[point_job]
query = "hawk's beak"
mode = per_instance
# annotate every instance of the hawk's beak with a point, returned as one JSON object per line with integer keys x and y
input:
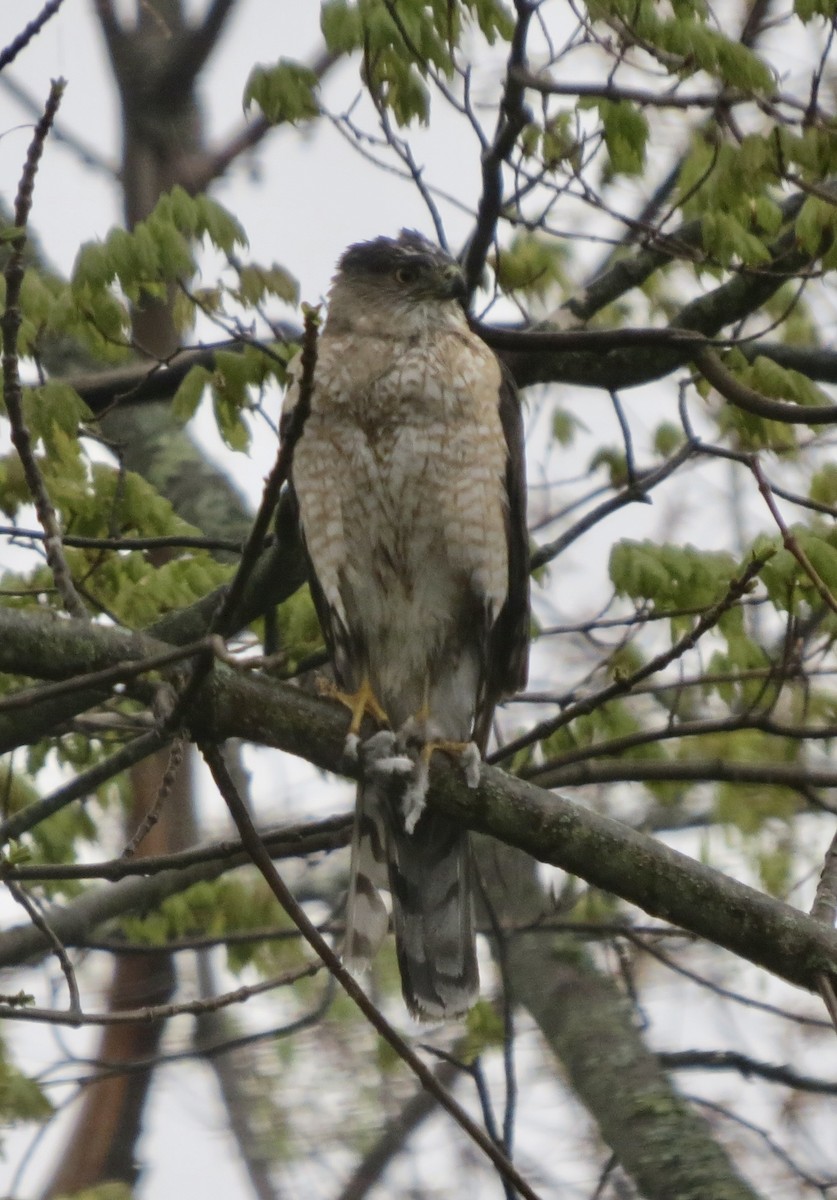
{"x": 453, "y": 282}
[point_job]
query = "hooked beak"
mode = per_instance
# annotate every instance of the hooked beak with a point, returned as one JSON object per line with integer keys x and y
{"x": 454, "y": 283}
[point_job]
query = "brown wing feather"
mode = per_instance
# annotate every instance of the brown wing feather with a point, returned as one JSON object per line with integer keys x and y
{"x": 507, "y": 665}
{"x": 338, "y": 639}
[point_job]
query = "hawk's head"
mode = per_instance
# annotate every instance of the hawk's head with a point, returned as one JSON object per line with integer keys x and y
{"x": 396, "y": 278}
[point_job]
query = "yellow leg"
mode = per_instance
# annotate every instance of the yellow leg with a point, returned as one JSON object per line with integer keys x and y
{"x": 359, "y": 703}
{"x": 454, "y": 749}
{"x": 467, "y": 753}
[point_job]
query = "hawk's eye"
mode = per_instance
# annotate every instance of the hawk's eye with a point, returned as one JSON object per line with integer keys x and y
{"x": 408, "y": 274}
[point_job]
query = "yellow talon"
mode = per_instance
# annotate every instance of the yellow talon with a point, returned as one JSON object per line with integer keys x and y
{"x": 359, "y": 703}
{"x": 454, "y": 749}
{"x": 467, "y": 754}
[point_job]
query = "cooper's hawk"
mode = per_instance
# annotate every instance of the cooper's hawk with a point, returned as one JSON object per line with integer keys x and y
{"x": 410, "y": 485}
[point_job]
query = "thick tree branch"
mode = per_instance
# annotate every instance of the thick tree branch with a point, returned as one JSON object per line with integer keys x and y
{"x": 604, "y": 852}
{"x": 591, "y": 1028}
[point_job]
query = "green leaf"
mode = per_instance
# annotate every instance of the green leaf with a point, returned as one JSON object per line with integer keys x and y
{"x": 286, "y": 92}
{"x": 775, "y": 868}
{"x": 626, "y": 135}
{"x": 102, "y": 1191}
{"x": 256, "y": 282}
{"x": 564, "y": 426}
{"x": 54, "y": 406}
{"x": 220, "y": 226}
{"x": 806, "y": 10}
{"x": 823, "y": 487}
{"x": 21, "y": 1099}
{"x": 341, "y": 25}
{"x": 484, "y": 1031}
{"x": 186, "y": 399}
{"x": 670, "y": 576}
{"x": 816, "y": 225}
{"x": 823, "y": 558}
{"x": 531, "y": 264}
{"x": 667, "y": 438}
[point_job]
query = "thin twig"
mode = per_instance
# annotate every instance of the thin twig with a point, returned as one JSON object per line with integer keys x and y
{"x": 790, "y": 543}
{"x": 40, "y": 922}
{"x": 261, "y": 858}
{"x": 733, "y": 1060}
{"x": 281, "y": 470}
{"x": 61, "y": 134}
{"x": 284, "y": 841}
{"x": 737, "y": 588}
{"x": 618, "y": 92}
{"x": 635, "y": 492}
{"x": 12, "y": 393}
{"x": 10, "y": 53}
{"x": 742, "y": 396}
{"x": 156, "y": 1012}
{"x": 500, "y": 936}
{"x": 718, "y": 989}
{"x": 82, "y": 785}
{"x": 511, "y": 121}
{"x": 772, "y": 1145}
{"x": 152, "y": 815}
{"x": 171, "y": 541}
{"x": 394, "y": 1136}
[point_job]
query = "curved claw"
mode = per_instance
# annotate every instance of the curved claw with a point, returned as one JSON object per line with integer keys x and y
{"x": 359, "y": 703}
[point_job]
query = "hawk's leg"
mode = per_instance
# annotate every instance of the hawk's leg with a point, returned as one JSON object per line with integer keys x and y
{"x": 468, "y": 754}
{"x": 420, "y": 731}
{"x": 361, "y": 703}
{"x": 418, "y": 736}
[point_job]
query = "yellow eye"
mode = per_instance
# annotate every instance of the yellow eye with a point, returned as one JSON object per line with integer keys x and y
{"x": 408, "y": 274}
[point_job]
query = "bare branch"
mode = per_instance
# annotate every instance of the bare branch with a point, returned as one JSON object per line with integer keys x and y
{"x": 155, "y": 1012}
{"x": 34, "y": 27}
{"x": 511, "y": 121}
{"x": 40, "y": 922}
{"x": 12, "y": 394}
{"x": 732, "y": 1060}
{"x": 172, "y": 542}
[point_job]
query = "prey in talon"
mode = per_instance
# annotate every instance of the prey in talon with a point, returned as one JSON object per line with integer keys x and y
{"x": 409, "y": 481}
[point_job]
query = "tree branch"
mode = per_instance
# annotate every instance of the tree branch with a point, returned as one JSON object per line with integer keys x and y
{"x": 73, "y": 923}
{"x": 732, "y": 1060}
{"x": 12, "y": 393}
{"x": 32, "y": 29}
{"x": 606, "y": 853}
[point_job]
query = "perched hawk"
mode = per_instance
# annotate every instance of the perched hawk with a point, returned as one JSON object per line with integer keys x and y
{"x": 410, "y": 486}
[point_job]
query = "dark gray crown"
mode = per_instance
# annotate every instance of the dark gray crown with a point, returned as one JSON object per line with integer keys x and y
{"x": 384, "y": 255}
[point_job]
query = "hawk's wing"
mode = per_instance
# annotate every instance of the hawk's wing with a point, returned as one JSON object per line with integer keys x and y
{"x": 507, "y": 650}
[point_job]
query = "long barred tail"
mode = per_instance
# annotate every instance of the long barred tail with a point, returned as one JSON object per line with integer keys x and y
{"x": 428, "y": 873}
{"x": 430, "y": 881}
{"x": 367, "y": 920}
